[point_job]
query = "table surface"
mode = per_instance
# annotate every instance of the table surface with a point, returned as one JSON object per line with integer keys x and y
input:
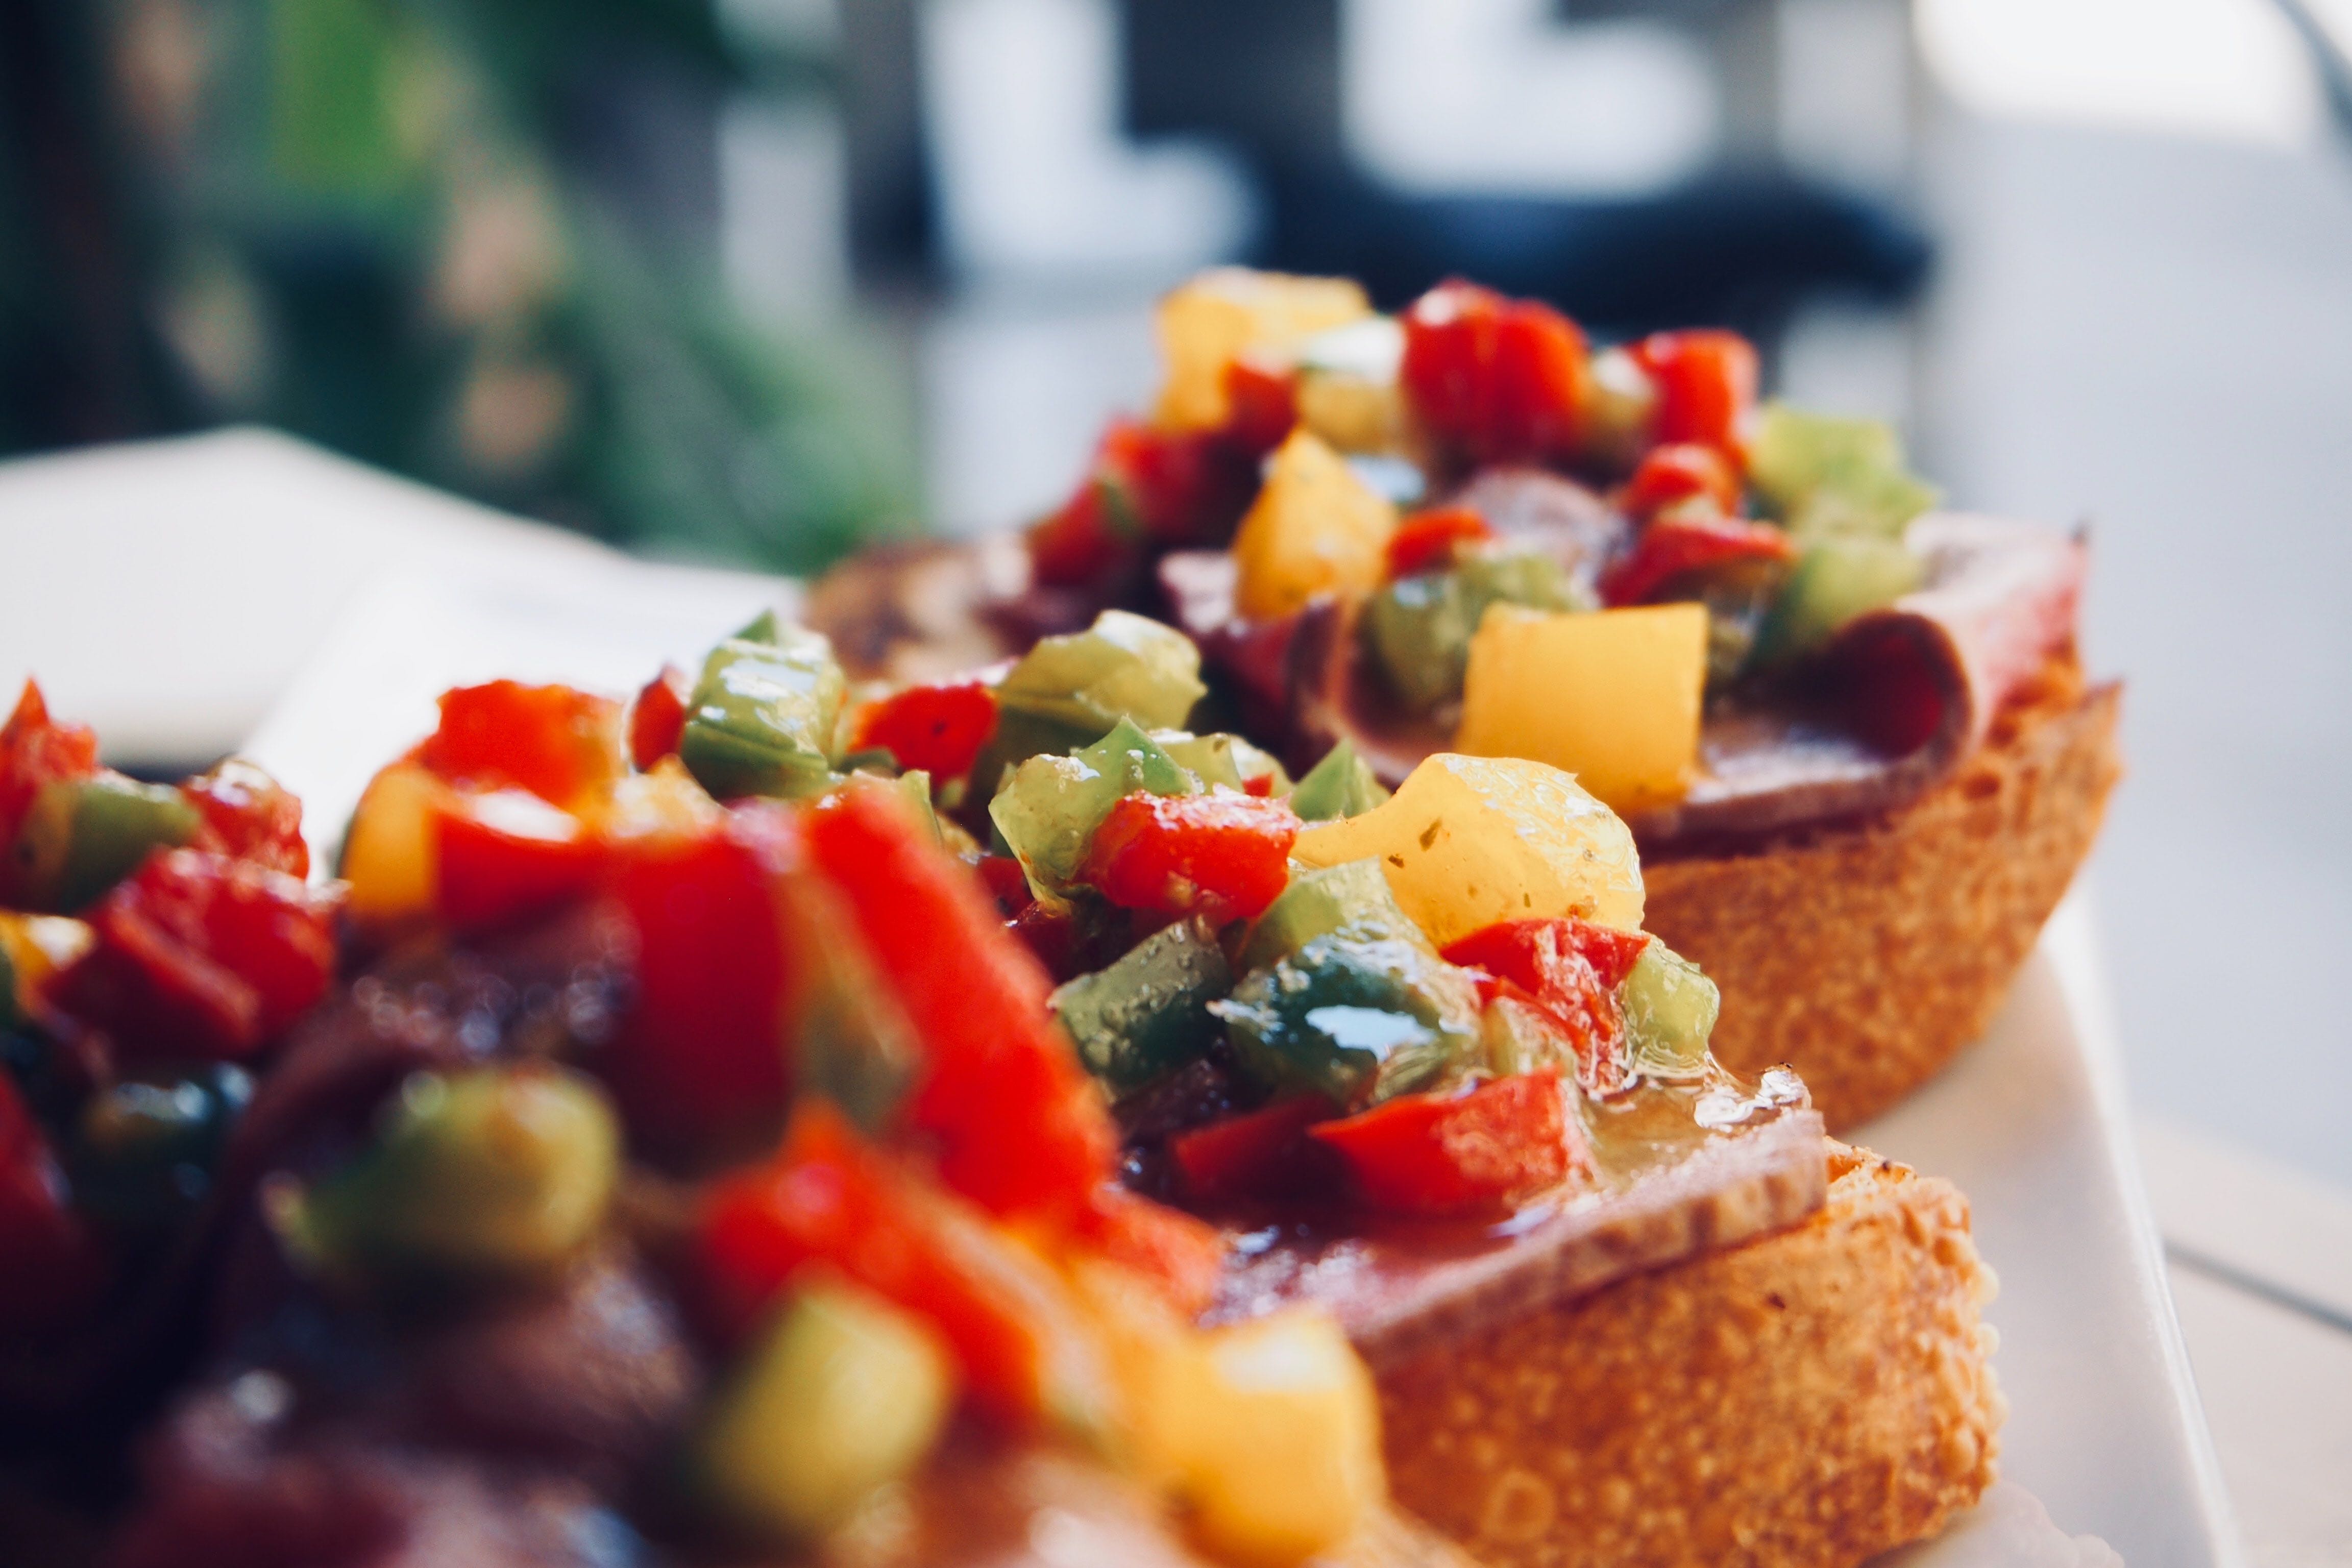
{"x": 175, "y": 651}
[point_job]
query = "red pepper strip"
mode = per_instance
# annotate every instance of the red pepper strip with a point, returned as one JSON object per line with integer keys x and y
{"x": 1677, "y": 472}
{"x": 1261, "y": 405}
{"x": 35, "y": 752}
{"x": 1493, "y": 380}
{"x": 658, "y": 717}
{"x": 198, "y": 955}
{"x": 1019, "y": 1125}
{"x": 1482, "y": 1150}
{"x": 1183, "y": 1256}
{"x": 1221, "y": 854}
{"x": 1689, "y": 537}
{"x": 830, "y": 1198}
{"x": 1264, "y": 1152}
{"x": 940, "y": 727}
{"x": 1426, "y": 540}
{"x": 506, "y": 856}
{"x": 1570, "y": 970}
{"x": 1706, "y": 386}
{"x": 48, "y": 1257}
{"x": 552, "y": 741}
{"x": 248, "y": 816}
{"x": 701, "y": 1059}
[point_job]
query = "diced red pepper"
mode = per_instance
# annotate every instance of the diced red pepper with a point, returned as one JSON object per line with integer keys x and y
{"x": 506, "y": 856}
{"x": 1223, "y": 855}
{"x": 1183, "y": 1256}
{"x": 1007, "y": 883}
{"x": 830, "y": 1198}
{"x": 1426, "y": 540}
{"x": 51, "y": 1263}
{"x": 658, "y": 717}
{"x": 558, "y": 744}
{"x": 1260, "y": 403}
{"x": 1264, "y": 1152}
{"x": 35, "y": 750}
{"x": 1570, "y": 969}
{"x": 198, "y": 955}
{"x": 1493, "y": 380}
{"x": 1691, "y": 537}
{"x": 701, "y": 1060}
{"x": 1259, "y": 784}
{"x": 1144, "y": 489}
{"x": 1706, "y": 386}
{"x": 940, "y": 727}
{"x": 1483, "y": 1150}
{"x": 1678, "y": 471}
{"x": 251, "y": 816}
{"x": 1019, "y": 1125}
{"x": 1089, "y": 538}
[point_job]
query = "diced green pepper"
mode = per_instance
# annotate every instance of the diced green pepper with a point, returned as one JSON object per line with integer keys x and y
{"x": 844, "y": 1393}
{"x": 761, "y": 719}
{"x": 1148, "y": 1011}
{"x": 1419, "y": 628}
{"x": 1048, "y": 810}
{"x": 83, "y": 836}
{"x": 1836, "y": 580}
{"x": 1352, "y": 899}
{"x": 1222, "y": 759}
{"x": 1123, "y": 666}
{"x": 1340, "y": 785}
{"x": 142, "y": 1150}
{"x": 1670, "y": 1011}
{"x": 489, "y": 1174}
{"x": 1826, "y": 475}
{"x": 1354, "y": 1020}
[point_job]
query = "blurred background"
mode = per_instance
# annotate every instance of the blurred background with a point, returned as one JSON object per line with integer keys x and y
{"x": 750, "y": 282}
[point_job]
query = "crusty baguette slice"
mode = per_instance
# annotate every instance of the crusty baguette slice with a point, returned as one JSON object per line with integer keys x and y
{"x": 1805, "y": 1400}
{"x": 1866, "y": 956}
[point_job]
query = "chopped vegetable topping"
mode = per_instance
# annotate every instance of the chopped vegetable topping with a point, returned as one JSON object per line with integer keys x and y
{"x": 938, "y": 728}
{"x": 1222, "y": 854}
{"x": 1491, "y": 379}
{"x": 1481, "y": 1149}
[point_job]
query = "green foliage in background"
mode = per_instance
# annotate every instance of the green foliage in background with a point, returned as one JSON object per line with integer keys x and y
{"x": 392, "y": 227}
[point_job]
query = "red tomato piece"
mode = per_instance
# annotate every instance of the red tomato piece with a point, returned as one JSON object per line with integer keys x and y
{"x": 1493, "y": 380}
{"x": 1677, "y": 473}
{"x": 48, "y": 1256}
{"x": 35, "y": 750}
{"x": 1223, "y": 855}
{"x": 940, "y": 727}
{"x": 1570, "y": 969}
{"x": 1481, "y": 1150}
{"x": 1262, "y": 405}
{"x": 1426, "y": 540}
{"x": 1707, "y": 386}
{"x": 506, "y": 856}
{"x": 1019, "y": 1125}
{"x": 200, "y": 955}
{"x": 1692, "y": 537}
{"x": 250, "y": 816}
{"x": 1183, "y": 1256}
{"x": 701, "y": 1059}
{"x": 555, "y": 741}
{"x": 1264, "y": 1152}
{"x": 658, "y": 717}
{"x": 830, "y": 1198}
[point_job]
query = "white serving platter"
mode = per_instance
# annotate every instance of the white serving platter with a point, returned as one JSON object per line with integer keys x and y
{"x": 2103, "y": 1432}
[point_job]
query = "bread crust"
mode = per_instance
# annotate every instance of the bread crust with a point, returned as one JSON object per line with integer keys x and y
{"x": 1805, "y": 1400}
{"x": 1866, "y": 956}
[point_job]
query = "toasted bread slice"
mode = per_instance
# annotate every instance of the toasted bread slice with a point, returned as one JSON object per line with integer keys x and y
{"x": 1804, "y": 1400}
{"x": 1866, "y": 956}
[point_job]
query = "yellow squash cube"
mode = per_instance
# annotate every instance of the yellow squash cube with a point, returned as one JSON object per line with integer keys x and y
{"x": 1315, "y": 528}
{"x": 1613, "y": 698}
{"x": 1227, "y": 311}
{"x": 1468, "y": 841}
{"x": 390, "y": 851}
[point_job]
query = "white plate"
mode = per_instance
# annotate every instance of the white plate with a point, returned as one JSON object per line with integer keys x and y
{"x": 2104, "y": 1426}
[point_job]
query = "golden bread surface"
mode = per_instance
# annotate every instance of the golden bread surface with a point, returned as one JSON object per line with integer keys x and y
{"x": 1806, "y": 1400}
{"x": 1866, "y": 956}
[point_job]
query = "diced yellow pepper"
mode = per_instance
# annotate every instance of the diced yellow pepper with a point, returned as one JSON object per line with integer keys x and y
{"x": 1210, "y": 321}
{"x": 388, "y": 851}
{"x": 1315, "y": 528}
{"x": 1613, "y": 698}
{"x": 1468, "y": 841}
